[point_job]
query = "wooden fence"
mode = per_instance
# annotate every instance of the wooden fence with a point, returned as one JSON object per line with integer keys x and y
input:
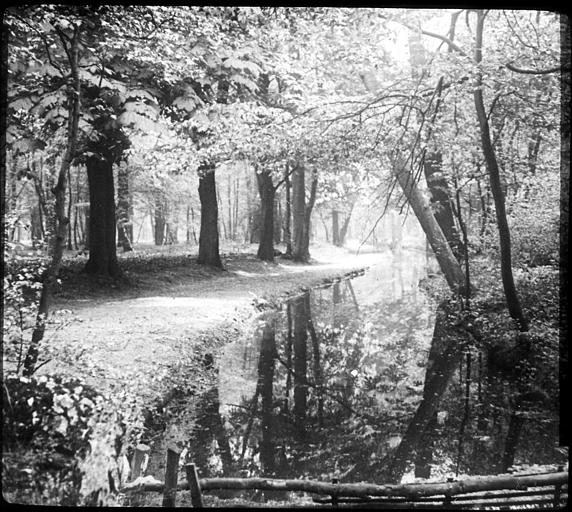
{"x": 546, "y": 490}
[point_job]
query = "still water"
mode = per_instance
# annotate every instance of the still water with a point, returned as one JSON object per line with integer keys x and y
{"x": 343, "y": 381}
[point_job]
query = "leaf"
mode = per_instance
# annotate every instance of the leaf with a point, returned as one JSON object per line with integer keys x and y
{"x": 21, "y": 104}
{"x": 185, "y": 103}
{"x": 140, "y": 93}
{"x": 240, "y": 79}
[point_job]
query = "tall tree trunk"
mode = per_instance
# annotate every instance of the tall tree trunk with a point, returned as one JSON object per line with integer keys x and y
{"x": 512, "y": 438}
{"x": 3, "y": 126}
{"x": 441, "y": 201}
{"x": 208, "y": 237}
{"x": 102, "y": 229}
{"x": 70, "y": 204}
{"x": 288, "y": 213}
{"x": 346, "y": 225}
{"x": 447, "y": 261}
{"x": 277, "y": 221}
{"x": 298, "y": 211}
{"x": 565, "y": 94}
{"x": 59, "y": 236}
{"x": 124, "y": 210}
{"x": 336, "y": 228}
{"x": 301, "y": 213}
{"x": 511, "y": 295}
{"x": 267, "y": 193}
{"x": 160, "y": 216}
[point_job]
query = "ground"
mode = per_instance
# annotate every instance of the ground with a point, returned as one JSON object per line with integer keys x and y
{"x": 149, "y": 326}
{"x": 145, "y": 337}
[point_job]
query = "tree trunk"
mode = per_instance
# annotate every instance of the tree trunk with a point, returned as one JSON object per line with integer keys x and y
{"x": 288, "y": 213}
{"x": 565, "y": 217}
{"x": 346, "y": 225}
{"x": 441, "y": 201}
{"x": 124, "y": 210}
{"x": 102, "y": 229}
{"x": 447, "y": 261}
{"x": 160, "y": 218}
{"x": 208, "y": 237}
{"x": 298, "y": 211}
{"x": 335, "y": 228}
{"x": 277, "y": 221}
{"x": 301, "y": 214}
{"x": 267, "y": 193}
{"x": 512, "y": 299}
{"x": 60, "y": 220}
{"x": 3, "y": 124}
{"x": 512, "y": 438}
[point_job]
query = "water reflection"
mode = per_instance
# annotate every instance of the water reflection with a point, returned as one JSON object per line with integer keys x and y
{"x": 362, "y": 380}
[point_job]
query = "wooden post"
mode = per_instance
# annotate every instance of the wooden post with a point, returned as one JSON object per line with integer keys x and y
{"x": 557, "y": 491}
{"x": 194, "y": 486}
{"x": 447, "y": 500}
{"x": 335, "y": 495}
{"x": 171, "y": 474}
{"x": 139, "y": 460}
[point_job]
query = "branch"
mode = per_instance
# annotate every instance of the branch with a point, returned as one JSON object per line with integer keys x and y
{"x": 565, "y": 69}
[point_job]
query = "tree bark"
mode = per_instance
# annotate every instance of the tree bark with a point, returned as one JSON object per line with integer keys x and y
{"x": 267, "y": 192}
{"x": 208, "y": 237}
{"x": 102, "y": 229}
{"x": 298, "y": 211}
{"x": 441, "y": 201}
{"x": 3, "y": 125}
{"x": 301, "y": 213}
{"x": 160, "y": 218}
{"x": 346, "y": 225}
{"x": 288, "y": 213}
{"x": 335, "y": 228}
{"x": 565, "y": 94}
{"x": 447, "y": 261}
{"x": 124, "y": 210}
{"x": 511, "y": 295}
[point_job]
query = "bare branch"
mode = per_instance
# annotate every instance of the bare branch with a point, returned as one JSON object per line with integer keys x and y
{"x": 565, "y": 69}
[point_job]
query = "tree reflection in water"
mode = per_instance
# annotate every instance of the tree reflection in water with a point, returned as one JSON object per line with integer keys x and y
{"x": 357, "y": 380}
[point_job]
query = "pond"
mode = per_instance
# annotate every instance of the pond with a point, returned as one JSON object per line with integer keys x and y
{"x": 344, "y": 381}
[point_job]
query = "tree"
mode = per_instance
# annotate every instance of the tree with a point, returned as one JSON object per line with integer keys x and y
{"x": 512, "y": 299}
{"x": 69, "y": 33}
{"x": 208, "y": 238}
{"x": 302, "y": 211}
{"x": 124, "y": 209}
{"x": 267, "y": 193}
{"x": 105, "y": 152}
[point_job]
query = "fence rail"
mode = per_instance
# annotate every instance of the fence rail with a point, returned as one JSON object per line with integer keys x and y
{"x": 546, "y": 489}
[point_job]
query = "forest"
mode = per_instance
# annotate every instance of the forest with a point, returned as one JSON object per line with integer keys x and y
{"x": 290, "y": 242}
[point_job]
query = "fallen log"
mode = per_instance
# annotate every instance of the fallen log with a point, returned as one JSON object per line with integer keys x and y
{"x": 406, "y": 490}
{"x": 412, "y": 491}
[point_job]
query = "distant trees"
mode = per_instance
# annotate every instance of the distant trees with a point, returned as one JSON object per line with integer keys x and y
{"x": 174, "y": 100}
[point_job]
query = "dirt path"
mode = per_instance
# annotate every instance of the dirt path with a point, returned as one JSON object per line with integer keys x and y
{"x": 124, "y": 342}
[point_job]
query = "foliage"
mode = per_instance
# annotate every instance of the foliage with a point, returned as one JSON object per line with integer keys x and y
{"x": 48, "y": 420}
{"x": 166, "y": 89}
{"x": 21, "y": 290}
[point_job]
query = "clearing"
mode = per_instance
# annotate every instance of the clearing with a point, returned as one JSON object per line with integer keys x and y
{"x": 135, "y": 336}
